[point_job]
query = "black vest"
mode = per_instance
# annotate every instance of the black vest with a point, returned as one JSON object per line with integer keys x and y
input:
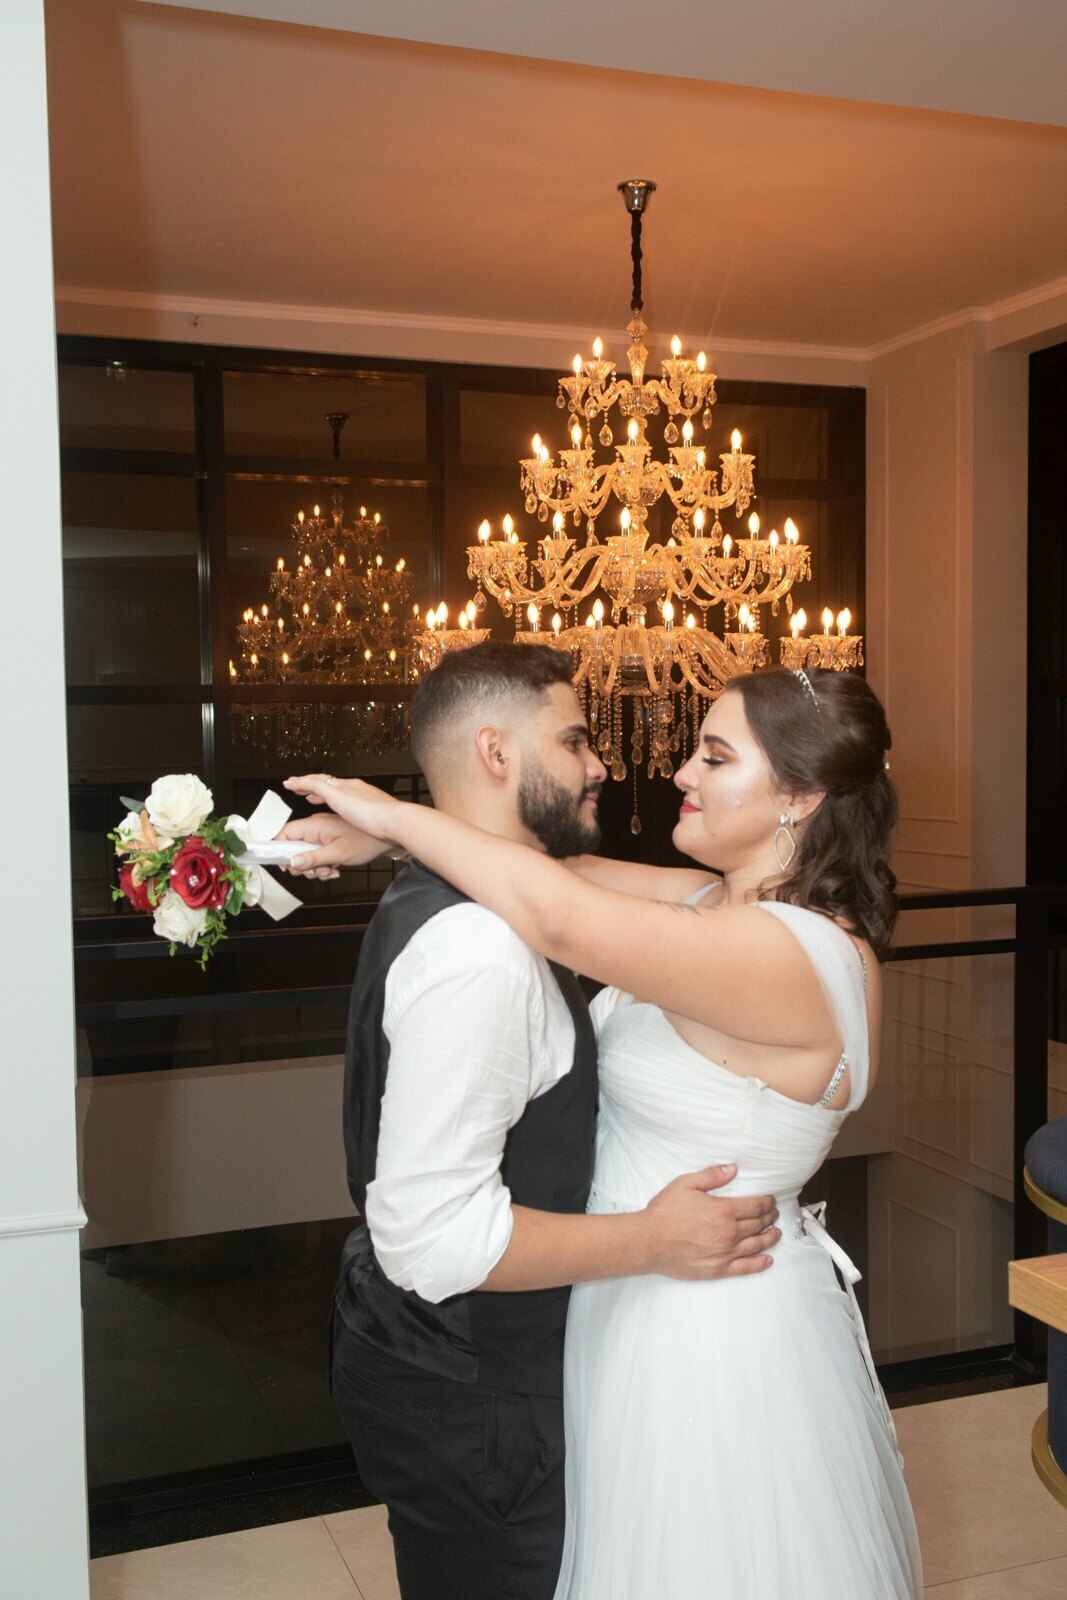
{"x": 507, "y": 1341}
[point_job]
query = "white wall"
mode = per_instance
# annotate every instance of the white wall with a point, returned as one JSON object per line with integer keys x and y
{"x": 946, "y": 607}
{"x": 43, "y": 1546}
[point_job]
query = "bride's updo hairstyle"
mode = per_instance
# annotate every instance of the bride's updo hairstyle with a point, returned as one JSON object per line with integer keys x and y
{"x": 829, "y": 735}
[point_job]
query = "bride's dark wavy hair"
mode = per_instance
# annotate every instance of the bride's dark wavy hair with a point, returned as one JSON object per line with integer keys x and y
{"x": 836, "y": 747}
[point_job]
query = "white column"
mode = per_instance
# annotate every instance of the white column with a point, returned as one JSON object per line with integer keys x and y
{"x": 43, "y": 1546}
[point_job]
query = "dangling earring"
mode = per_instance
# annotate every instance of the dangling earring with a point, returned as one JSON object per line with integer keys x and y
{"x": 785, "y": 825}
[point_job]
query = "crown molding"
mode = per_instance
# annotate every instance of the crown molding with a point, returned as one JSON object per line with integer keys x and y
{"x": 191, "y": 317}
{"x": 195, "y": 310}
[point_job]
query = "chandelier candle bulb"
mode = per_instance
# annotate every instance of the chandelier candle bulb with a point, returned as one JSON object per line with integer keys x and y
{"x": 642, "y": 661}
{"x": 484, "y": 530}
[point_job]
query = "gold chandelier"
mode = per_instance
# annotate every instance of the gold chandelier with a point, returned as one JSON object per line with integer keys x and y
{"x": 657, "y": 652}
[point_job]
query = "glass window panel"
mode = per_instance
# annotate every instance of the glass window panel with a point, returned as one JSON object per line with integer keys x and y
{"x": 260, "y": 514}
{"x": 117, "y": 750}
{"x": 115, "y": 745}
{"x": 359, "y": 739}
{"x": 284, "y": 414}
{"x": 130, "y": 560}
{"x": 496, "y": 428}
{"x": 787, "y": 441}
{"x": 125, "y": 408}
{"x": 208, "y": 1350}
{"x": 941, "y": 1185}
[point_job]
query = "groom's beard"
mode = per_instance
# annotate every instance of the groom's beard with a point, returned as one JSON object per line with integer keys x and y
{"x": 552, "y": 814}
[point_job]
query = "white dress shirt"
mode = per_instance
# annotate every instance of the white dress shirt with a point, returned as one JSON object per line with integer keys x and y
{"x": 477, "y": 1027}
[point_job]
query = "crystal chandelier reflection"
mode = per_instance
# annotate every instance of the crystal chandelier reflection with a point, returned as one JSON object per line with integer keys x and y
{"x": 336, "y": 616}
{"x": 337, "y": 608}
{"x": 657, "y": 652}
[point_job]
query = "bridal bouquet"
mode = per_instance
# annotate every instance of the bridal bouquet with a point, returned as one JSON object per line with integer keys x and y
{"x": 193, "y": 871}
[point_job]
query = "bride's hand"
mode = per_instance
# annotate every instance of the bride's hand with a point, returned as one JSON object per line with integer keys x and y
{"x": 361, "y": 805}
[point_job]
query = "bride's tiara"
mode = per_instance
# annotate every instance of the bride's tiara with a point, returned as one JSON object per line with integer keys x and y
{"x": 806, "y": 684}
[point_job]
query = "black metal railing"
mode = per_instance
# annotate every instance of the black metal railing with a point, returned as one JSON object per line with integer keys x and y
{"x": 1040, "y": 928}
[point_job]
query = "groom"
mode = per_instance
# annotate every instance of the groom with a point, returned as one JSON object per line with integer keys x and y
{"x": 470, "y": 1102}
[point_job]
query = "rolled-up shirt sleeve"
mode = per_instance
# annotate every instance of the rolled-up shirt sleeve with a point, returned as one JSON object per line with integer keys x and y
{"x": 477, "y": 1027}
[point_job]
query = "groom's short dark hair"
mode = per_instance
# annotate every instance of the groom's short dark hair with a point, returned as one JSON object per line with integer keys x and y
{"x": 481, "y": 677}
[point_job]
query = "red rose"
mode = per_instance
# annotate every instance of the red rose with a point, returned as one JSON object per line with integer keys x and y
{"x": 136, "y": 893}
{"x": 200, "y": 875}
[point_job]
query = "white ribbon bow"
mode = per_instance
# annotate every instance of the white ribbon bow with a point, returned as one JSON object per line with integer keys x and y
{"x": 816, "y": 1215}
{"x": 257, "y": 835}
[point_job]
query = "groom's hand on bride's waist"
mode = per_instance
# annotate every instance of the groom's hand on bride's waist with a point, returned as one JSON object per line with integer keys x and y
{"x": 699, "y": 1234}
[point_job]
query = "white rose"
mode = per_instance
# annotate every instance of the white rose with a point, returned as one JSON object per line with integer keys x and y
{"x": 130, "y": 826}
{"x": 178, "y": 804}
{"x": 177, "y": 922}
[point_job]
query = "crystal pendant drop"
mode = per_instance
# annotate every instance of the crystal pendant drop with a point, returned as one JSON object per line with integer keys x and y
{"x": 542, "y": 512}
{"x": 706, "y": 418}
{"x": 605, "y": 436}
{"x": 635, "y": 824}
{"x": 561, "y": 401}
{"x": 618, "y": 770}
{"x": 531, "y": 502}
{"x": 670, "y": 434}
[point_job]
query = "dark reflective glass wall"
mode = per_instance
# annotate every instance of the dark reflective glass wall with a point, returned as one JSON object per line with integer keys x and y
{"x": 209, "y": 1103}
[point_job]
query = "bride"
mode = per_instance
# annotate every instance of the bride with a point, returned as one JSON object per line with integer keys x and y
{"x": 725, "y": 1439}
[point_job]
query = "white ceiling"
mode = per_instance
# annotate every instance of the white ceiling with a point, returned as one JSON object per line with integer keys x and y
{"x": 992, "y": 58}
{"x": 196, "y": 154}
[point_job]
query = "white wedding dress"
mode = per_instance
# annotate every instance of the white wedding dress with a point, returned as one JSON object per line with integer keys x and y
{"x": 728, "y": 1440}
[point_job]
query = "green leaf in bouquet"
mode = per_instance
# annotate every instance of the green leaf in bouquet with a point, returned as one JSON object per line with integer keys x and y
{"x": 232, "y": 843}
{"x": 131, "y": 805}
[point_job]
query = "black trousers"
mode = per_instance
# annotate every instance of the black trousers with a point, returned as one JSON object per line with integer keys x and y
{"x": 472, "y": 1476}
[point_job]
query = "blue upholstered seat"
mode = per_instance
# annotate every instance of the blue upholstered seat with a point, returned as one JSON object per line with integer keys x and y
{"x": 1046, "y": 1164}
{"x": 1046, "y": 1159}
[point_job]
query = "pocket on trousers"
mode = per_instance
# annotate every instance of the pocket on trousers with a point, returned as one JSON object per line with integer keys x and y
{"x": 523, "y": 1448}
{"x": 370, "y": 1393}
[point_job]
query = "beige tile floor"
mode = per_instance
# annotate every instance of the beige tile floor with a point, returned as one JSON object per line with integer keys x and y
{"x": 989, "y": 1530}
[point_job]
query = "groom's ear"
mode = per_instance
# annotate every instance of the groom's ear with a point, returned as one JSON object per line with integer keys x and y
{"x": 493, "y": 747}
